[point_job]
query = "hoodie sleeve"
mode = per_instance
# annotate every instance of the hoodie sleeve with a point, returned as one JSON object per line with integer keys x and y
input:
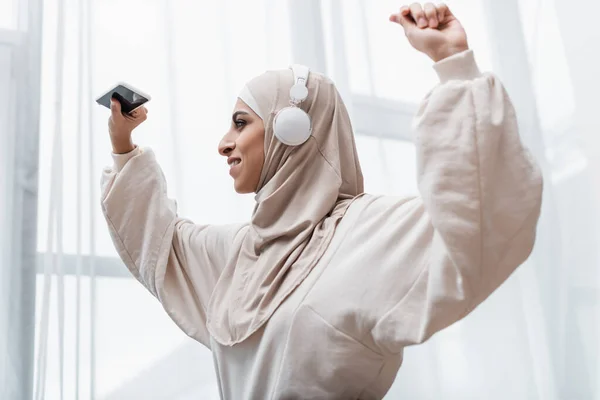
{"x": 178, "y": 261}
{"x": 480, "y": 196}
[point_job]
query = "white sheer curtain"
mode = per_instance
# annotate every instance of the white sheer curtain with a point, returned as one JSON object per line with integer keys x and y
{"x": 99, "y": 334}
{"x": 19, "y": 107}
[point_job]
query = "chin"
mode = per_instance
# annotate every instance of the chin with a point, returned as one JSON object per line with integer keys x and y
{"x": 240, "y": 189}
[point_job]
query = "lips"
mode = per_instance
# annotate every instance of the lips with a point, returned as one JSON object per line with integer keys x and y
{"x": 233, "y": 161}
{"x": 234, "y": 165}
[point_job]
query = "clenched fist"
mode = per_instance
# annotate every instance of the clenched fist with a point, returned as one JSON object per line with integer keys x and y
{"x": 432, "y": 30}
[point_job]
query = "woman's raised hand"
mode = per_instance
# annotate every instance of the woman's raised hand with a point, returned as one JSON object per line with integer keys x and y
{"x": 432, "y": 29}
{"x": 120, "y": 126}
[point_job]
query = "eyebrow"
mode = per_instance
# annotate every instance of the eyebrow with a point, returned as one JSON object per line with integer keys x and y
{"x": 237, "y": 114}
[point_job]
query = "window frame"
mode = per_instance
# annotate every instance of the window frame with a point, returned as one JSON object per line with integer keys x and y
{"x": 371, "y": 115}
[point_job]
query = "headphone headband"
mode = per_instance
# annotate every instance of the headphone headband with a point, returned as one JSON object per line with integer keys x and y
{"x": 300, "y": 72}
{"x": 299, "y": 91}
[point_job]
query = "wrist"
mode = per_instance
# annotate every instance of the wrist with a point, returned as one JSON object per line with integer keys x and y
{"x": 447, "y": 51}
{"x": 122, "y": 147}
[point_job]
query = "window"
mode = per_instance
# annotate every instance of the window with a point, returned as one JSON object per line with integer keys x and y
{"x": 384, "y": 77}
{"x": 378, "y": 59}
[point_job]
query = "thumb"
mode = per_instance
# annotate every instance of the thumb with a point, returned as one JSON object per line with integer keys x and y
{"x": 115, "y": 109}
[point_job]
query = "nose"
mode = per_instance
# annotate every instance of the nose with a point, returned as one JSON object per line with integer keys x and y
{"x": 226, "y": 145}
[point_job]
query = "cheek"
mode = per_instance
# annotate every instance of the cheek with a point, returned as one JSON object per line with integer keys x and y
{"x": 253, "y": 145}
{"x": 260, "y": 147}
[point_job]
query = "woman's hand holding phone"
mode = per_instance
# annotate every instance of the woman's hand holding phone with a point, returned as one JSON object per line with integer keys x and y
{"x": 120, "y": 126}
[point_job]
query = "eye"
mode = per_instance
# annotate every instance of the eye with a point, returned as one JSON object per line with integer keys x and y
{"x": 240, "y": 123}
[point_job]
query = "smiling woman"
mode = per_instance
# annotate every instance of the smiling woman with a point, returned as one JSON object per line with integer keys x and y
{"x": 258, "y": 294}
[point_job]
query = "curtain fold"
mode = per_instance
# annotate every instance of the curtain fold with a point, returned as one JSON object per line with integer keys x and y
{"x": 20, "y": 46}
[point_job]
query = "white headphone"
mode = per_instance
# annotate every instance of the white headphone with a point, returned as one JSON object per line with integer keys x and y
{"x": 292, "y": 125}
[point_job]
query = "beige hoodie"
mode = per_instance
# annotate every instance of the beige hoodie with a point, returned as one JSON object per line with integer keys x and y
{"x": 396, "y": 271}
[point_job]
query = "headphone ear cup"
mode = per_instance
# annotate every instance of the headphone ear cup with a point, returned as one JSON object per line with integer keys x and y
{"x": 292, "y": 126}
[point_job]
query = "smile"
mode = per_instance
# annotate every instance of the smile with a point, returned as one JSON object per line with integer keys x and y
{"x": 234, "y": 166}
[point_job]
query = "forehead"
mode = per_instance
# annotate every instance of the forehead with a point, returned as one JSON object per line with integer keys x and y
{"x": 240, "y": 105}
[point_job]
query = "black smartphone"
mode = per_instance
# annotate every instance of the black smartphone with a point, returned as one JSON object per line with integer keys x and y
{"x": 129, "y": 97}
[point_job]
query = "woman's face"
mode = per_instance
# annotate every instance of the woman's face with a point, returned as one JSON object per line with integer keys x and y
{"x": 243, "y": 145}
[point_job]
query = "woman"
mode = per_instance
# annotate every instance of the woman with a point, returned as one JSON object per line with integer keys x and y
{"x": 317, "y": 296}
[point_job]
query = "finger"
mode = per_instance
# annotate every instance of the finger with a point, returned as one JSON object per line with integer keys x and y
{"x": 404, "y": 19}
{"x": 440, "y": 15}
{"x": 431, "y": 15}
{"x": 418, "y": 15}
{"x": 134, "y": 116}
{"x": 140, "y": 110}
{"x": 115, "y": 110}
{"x": 143, "y": 115}
{"x": 129, "y": 117}
{"x": 140, "y": 114}
{"x": 404, "y": 11}
{"x": 443, "y": 13}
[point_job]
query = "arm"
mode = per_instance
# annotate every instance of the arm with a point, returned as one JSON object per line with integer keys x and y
{"x": 178, "y": 261}
{"x": 480, "y": 196}
{"x": 480, "y": 192}
{"x": 479, "y": 186}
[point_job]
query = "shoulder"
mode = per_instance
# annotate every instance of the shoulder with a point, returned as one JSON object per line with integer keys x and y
{"x": 381, "y": 216}
{"x": 370, "y": 205}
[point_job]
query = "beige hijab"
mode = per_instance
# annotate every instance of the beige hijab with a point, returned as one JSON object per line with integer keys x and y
{"x": 303, "y": 193}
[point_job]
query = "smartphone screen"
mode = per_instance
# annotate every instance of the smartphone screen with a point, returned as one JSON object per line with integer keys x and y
{"x": 129, "y": 98}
